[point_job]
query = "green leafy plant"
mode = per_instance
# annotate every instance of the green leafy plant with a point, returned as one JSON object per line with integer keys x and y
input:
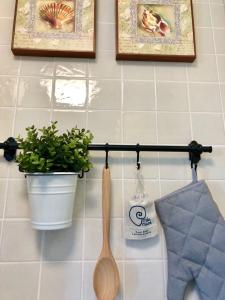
{"x": 45, "y": 150}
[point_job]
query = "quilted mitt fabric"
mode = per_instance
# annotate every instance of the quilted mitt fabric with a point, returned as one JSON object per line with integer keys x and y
{"x": 195, "y": 237}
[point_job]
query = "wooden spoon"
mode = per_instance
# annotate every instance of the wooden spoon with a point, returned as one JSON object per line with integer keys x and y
{"x": 106, "y": 275}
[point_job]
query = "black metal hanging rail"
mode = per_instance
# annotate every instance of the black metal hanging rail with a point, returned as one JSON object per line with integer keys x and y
{"x": 194, "y": 149}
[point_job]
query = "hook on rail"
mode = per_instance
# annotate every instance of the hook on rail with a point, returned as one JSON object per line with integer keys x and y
{"x": 138, "y": 157}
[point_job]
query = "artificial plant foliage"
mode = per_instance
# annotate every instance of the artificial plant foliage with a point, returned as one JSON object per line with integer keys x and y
{"x": 45, "y": 150}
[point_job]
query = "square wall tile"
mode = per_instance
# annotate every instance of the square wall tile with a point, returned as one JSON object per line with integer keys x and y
{"x": 19, "y": 281}
{"x": 11, "y": 63}
{"x": 223, "y": 94}
{"x": 68, "y": 119}
{"x": 3, "y": 186}
{"x": 105, "y": 126}
{"x": 138, "y": 70}
{"x": 4, "y": 167}
{"x": 205, "y": 97}
{"x": 5, "y": 35}
{"x": 149, "y": 165}
{"x": 175, "y": 166}
{"x": 174, "y": 128}
{"x": 202, "y": 14}
{"x": 219, "y": 41}
{"x": 25, "y": 118}
{"x": 204, "y": 41}
{"x": 98, "y": 161}
{"x": 8, "y": 89}
{"x": 66, "y": 244}
{"x": 93, "y": 202}
{"x": 20, "y": 242}
{"x": 208, "y": 128}
{"x": 61, "y": 281}
{"x": 105, "y": 66}
{"x": 88, "y": 289}
{"x": 213, "y": 165}
{"x": 34, "y": 92}
{"x": 106, "y": 37}
{"x": 14, "y": 171}
{"x": 139, "y": 127}
{"x": 169, "y": 186}
{"x": 37, "y": 66}
{"x": 6, "y": 122}
{"x": 7, "y": 9}
{"x": 70, "y": 93}
{"x": 203, "y": 69}
{"x": 138, "y": 95}
{"x": 218, "y": 15}
{"x": 221, "y": 67}
{"x": 78, "y": 210}
{"x": 17, "y": 205}
{"x": 105, "y": 94}
{"x": 136, "y": 274}
{"x": 105, "y": 14}
{"x": 170, "y": 72}
{"x": 217, "y": 189}
{"x": 93, "y": 238}
{"x": 70, "y": 67}
{"x": 172, "y": 96}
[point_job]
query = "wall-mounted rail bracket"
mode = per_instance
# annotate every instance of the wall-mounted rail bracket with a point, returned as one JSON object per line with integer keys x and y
{"x": 10, "y": 146}
{"x": 196, "y": 150}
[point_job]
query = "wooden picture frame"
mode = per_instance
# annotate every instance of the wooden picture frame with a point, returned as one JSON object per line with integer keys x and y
{"x": 157, "y": 30}
{"x": 63, "y": 28}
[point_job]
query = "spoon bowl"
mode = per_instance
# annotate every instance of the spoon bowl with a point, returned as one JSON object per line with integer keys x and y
{"x": 106, "y": 279}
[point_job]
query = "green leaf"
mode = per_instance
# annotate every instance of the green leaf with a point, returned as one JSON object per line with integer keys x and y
{"x": 45, "y": 150}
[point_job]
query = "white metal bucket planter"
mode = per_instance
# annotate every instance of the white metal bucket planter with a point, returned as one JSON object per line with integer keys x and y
{"x": 51, "y": 197}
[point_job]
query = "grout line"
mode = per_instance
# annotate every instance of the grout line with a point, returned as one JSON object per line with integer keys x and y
{"x": 217, "y": 67}
{"x": 87, "y": 260}
{"x": 84, "y": 209}
{"x": 51, "y": 108}
{"x": 159, "y": 175}
{"x": 4, "y": 210}
{"x": 81, "y": 110}
{"x": 8, "y": 169}
{"x": 189, "y": 103}
{"x": 121, "y": 179}
{"x": 83, "y": 239}
{"x": 41, "y": 265}
{"x": 17, "y": 97}
{"x": 123, "y": 292}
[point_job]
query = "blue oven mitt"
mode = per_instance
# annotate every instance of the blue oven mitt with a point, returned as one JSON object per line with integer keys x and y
{"x": 195, "y": 237}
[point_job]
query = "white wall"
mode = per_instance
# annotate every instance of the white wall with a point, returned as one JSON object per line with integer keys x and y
{"x": 126, "y": 102}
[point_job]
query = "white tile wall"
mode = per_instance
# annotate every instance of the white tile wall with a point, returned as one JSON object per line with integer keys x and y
{"x": 121, "y": 102}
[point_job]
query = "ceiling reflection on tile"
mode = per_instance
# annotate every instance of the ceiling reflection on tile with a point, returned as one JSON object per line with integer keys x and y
{"x": 94, "y": 90}
{"x": 71, "y": 93}
{"x": 34, "y": 92}
{"x": 69, "y": 68}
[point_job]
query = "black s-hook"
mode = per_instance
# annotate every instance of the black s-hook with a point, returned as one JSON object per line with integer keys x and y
{"x": 106, "y": 155}
{"x": 138, "y": 158}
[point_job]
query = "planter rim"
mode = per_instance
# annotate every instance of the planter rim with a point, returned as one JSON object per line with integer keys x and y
{"x": 51, "y": 174}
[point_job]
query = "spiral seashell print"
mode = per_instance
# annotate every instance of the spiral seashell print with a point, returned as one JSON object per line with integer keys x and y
{"x": 137, "y": 214}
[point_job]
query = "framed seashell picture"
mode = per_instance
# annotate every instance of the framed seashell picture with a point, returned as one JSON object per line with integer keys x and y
{"x": 55, "y": 28}
{"x": 158, "y": 30}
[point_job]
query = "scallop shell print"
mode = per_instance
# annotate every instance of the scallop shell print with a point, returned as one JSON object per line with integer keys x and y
{"x": 57, "y": 14}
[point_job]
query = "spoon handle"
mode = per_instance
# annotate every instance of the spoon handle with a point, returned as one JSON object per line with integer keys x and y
{"x": 106, "y": 208}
